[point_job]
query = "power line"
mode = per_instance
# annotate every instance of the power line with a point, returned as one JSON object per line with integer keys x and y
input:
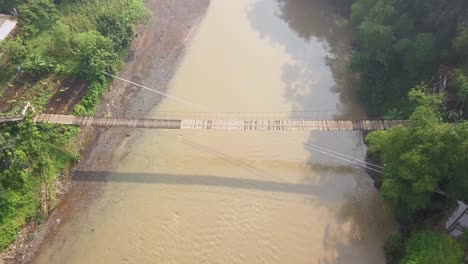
{"x": 311, "y": 146}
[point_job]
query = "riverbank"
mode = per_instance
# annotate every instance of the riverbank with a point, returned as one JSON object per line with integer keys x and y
{"x": 425, "y": 162}
{"x": 56, "y": 64}
{"x": 153, "y": 58}
{"x": 191, "y": 196}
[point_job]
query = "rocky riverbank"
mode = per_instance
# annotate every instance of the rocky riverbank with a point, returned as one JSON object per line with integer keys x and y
{"x": 152, "y": 60}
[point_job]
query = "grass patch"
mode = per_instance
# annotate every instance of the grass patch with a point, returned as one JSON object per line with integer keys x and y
{"x": 32, "y": 155}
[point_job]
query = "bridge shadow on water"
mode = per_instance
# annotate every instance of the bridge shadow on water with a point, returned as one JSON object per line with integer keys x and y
{"x": 202, "y": 180}
{"x": 355, "y": 223}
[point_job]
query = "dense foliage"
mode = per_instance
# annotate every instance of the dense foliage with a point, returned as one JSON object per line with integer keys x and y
{"x": 423, "y": 156}
{"x": 74, "y": 38}
{"x": 432, "y": 248}
{"x": 31, "y": 158}
{"x": 401, "y": 43}
{"x": 394, "y": 249}
{"x": 421, "y": 160}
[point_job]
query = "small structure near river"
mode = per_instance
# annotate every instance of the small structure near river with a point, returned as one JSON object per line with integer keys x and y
{"x": 7, "y": 24}
{"x": 458, "y": 222}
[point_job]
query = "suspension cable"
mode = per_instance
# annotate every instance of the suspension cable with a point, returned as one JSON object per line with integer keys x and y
{"x": 311, "y": 146}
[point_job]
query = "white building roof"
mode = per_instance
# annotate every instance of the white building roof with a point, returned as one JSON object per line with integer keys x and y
{"x": 6, "y": 26}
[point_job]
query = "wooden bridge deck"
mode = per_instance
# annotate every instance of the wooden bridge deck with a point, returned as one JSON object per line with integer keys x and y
{"x": 5, "y": 119}
{"x": 304, "y": 125}
{"x": 15, "y": 118}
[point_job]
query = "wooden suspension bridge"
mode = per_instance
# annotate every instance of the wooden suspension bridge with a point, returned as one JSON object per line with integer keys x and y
{"x": 222, "y": 124}
{"x": 215, "y": 123}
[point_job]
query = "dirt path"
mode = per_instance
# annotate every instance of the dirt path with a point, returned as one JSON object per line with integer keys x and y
{"x": 156, "y": 52}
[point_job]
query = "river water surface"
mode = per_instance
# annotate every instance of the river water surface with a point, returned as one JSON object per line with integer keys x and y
{"x": 242, "y": 196}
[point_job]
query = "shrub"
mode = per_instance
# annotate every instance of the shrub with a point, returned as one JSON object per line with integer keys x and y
{"x": 432, "y": 248}
{"x": 78, "y": 23}
{"x": 61, "y": 45}
{"x": 464, "y": 240}
{"x": 460, "y": 43}
{"x": 420, "y": 157}
{"x": 92, "y": 97}
{"x": 37, "y": 64}
{"x": 461, "y": 84}
{"x": 31, "y": 156}
{"x": 394, "y": 248}
{"x": 95, "y": 55}
{"x": 117, "y": 27}
{"x": 36, "y": 16}
{"x": 15, "y": 49}
{"x": 80, "y": 110}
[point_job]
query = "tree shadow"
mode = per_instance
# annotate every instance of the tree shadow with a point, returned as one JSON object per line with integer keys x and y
{"x": 318, "y": 79}
{"x": 363, "y": 220}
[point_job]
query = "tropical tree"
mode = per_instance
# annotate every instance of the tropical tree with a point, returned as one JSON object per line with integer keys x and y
{"x": 426, "y": 155}
{"x": 95, "y": 55}
{"x": 432, "y": 248}
{"x": 36, "y": 16}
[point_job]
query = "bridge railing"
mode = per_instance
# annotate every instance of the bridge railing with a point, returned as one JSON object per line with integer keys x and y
{"x": 12, "y": 117}
{"x": 295, "y": 115}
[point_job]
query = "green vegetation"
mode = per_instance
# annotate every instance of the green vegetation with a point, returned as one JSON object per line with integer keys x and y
{"x": 394, "y": 249}
{"x": 401, "y": 43}
{"x": 432, "y": 248}
{"x": 464, "y": 241}
{"x": 74, "y": 39}
{"x": 400, "y": 48}
{"x": 421, "y": 157}
{"x": 56, "y": 40}
{"x": 32, "y": 157}
{"x": 420, "y": 160}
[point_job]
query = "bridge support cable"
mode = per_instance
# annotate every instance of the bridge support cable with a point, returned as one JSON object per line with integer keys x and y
{"x": 310, "y": 146}
{"x": 355, "y": 161}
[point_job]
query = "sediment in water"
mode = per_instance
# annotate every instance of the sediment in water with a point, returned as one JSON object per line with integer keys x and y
{"x": 156, "y": 52}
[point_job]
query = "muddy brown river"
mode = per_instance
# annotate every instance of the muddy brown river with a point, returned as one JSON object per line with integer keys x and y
{"x": 242, "y": 196}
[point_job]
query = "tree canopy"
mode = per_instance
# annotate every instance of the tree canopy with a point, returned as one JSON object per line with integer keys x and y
{"x": 401, "y": 43}
{"x": 423, "y": 156}
{"x": 432, "y": 248}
